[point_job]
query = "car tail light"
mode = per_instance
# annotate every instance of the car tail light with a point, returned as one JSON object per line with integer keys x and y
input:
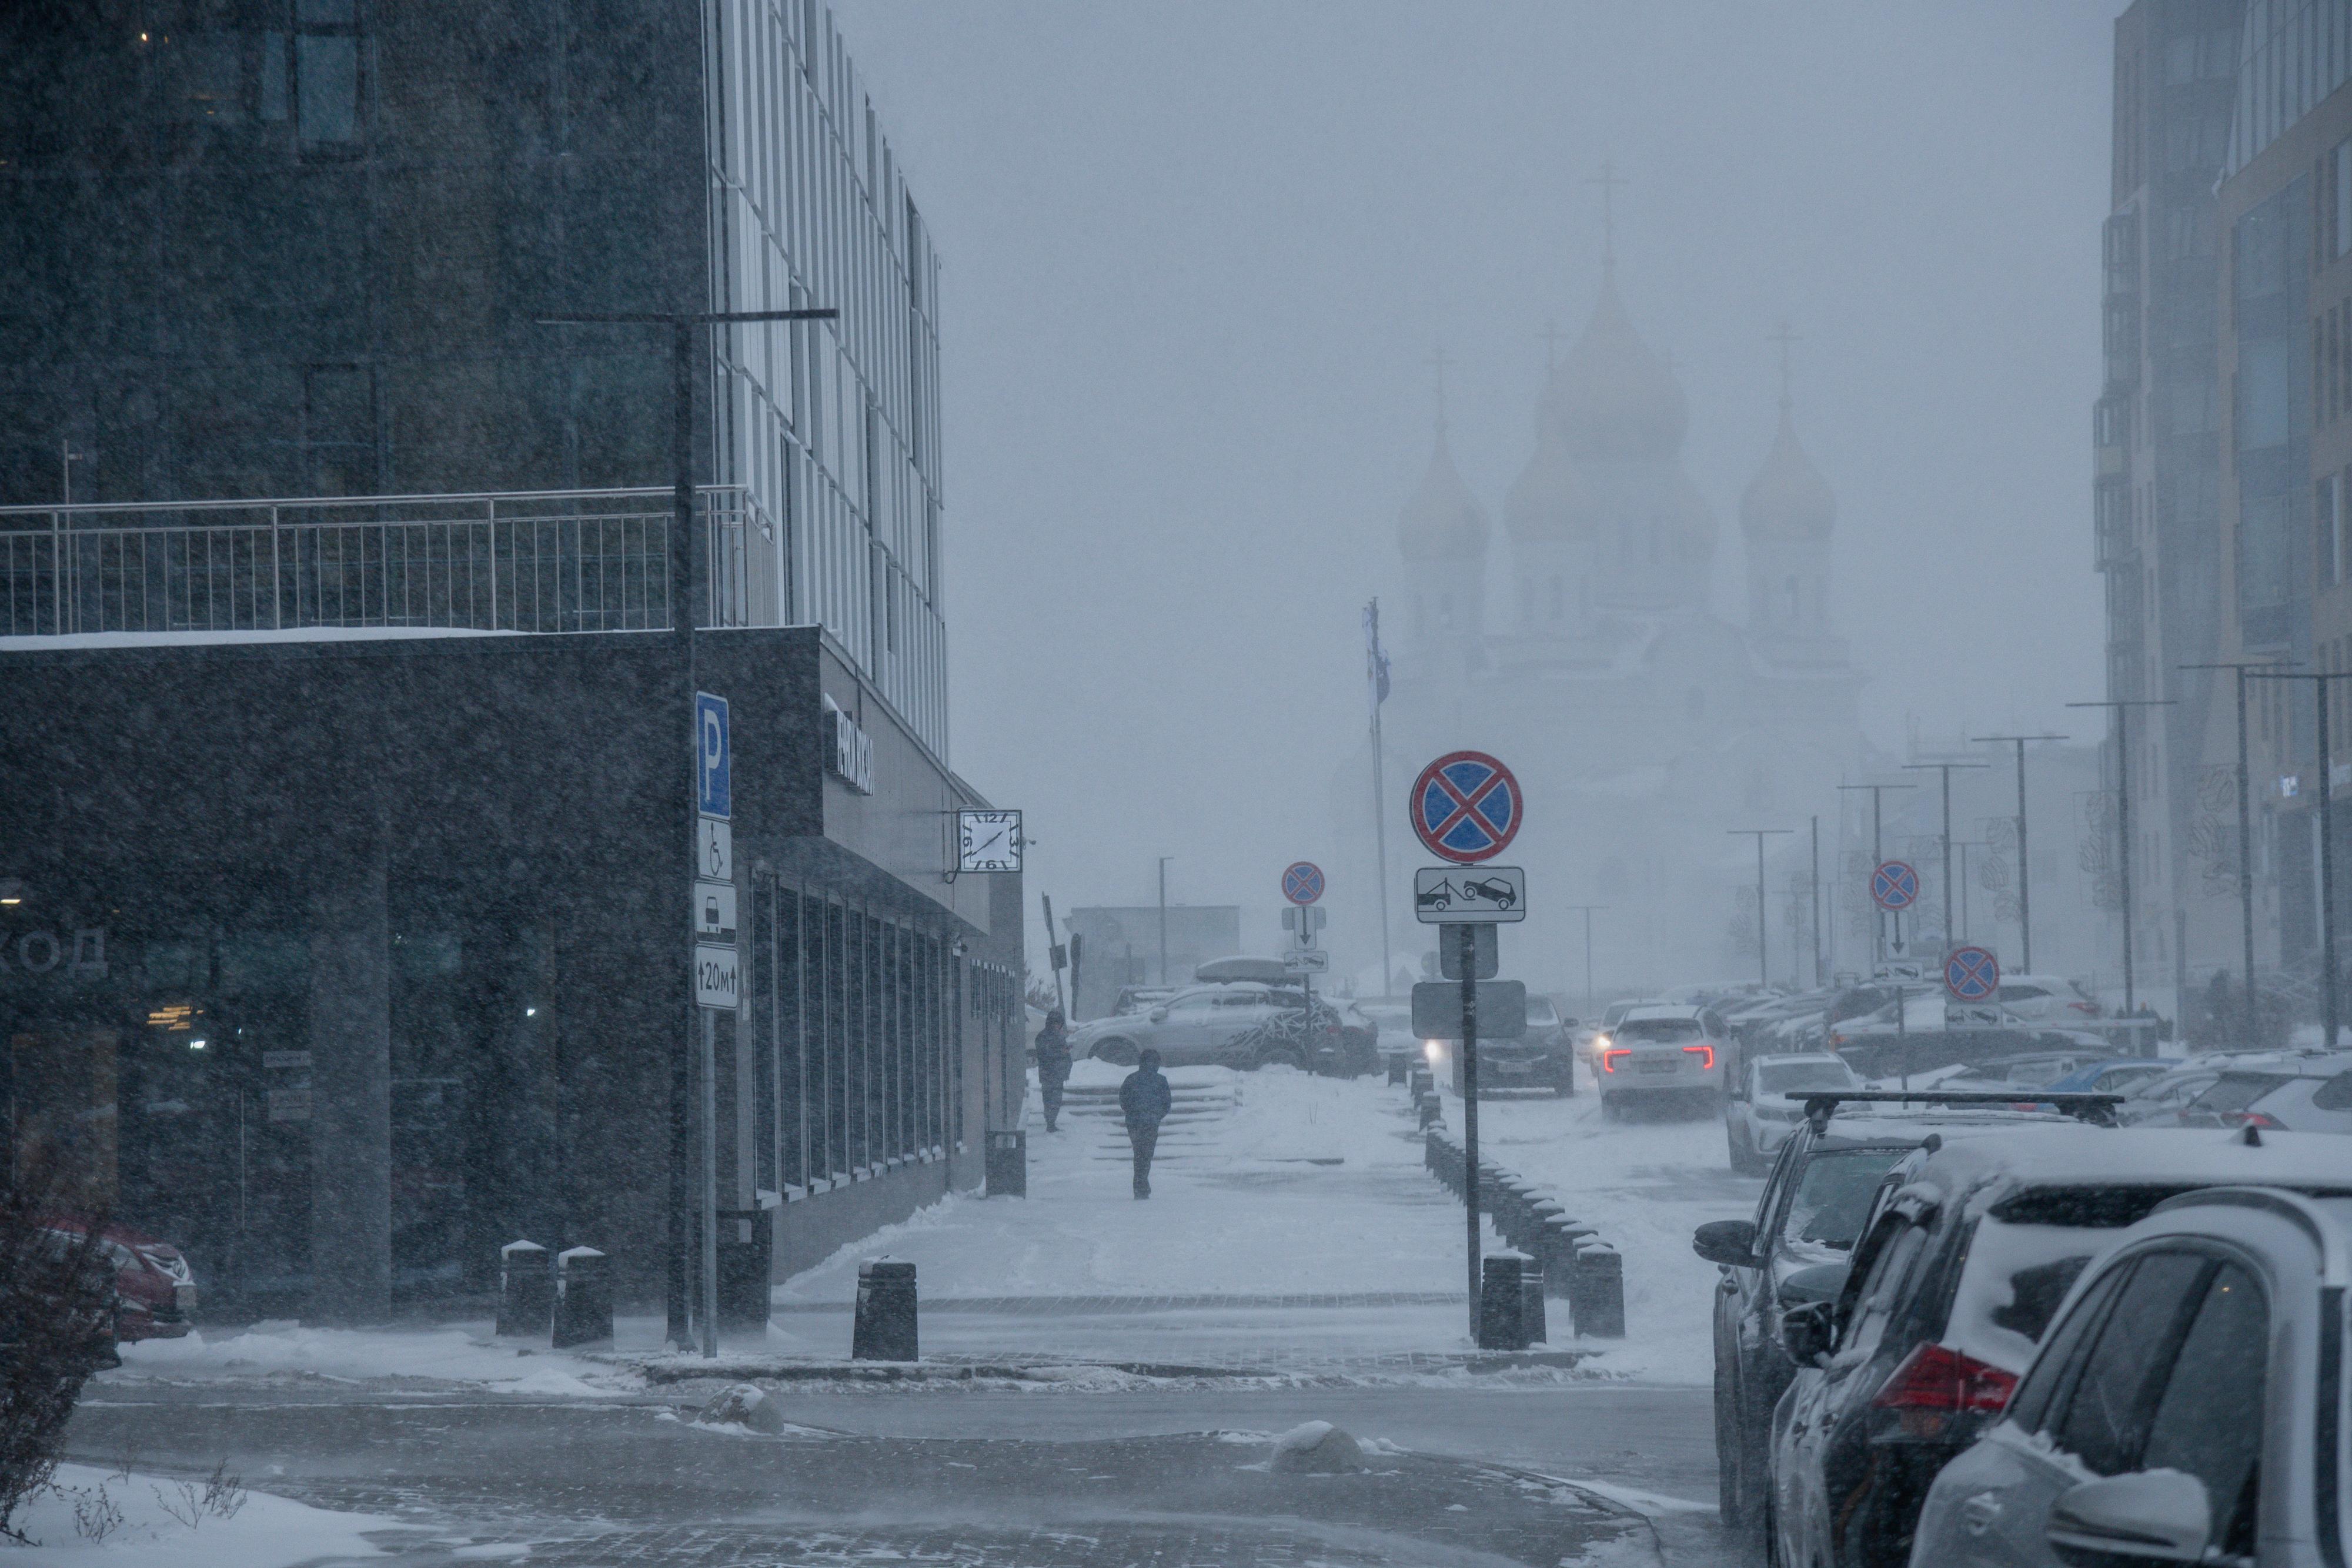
{"x": 1609, "y": 1059}
{"x": 1706, "y": 1054}
{"x": 2090, "y": 1007}
{"x": 2262, "y": 1119}
{"x": 1936, "y": 1381}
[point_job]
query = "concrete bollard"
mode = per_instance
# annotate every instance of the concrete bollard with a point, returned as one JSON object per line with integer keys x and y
{"x": 884, "y": 1329}
{"x": 1397, "y": 1068}
{"x": 1532, "y": 1301}
{"x": 1561, "y": 1237}
{"x": 526, "y": 1290}
{"x": 1008, "y": 1164}
{"x": 1433, "y": 1112}
{"x": 1501, "y": 1325}
{"x": 583, "y": 1299}
{"x": 746, "y": 1237}
{"x": 1596, "y": 1298}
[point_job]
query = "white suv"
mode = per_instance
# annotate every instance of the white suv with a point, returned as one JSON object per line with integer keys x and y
{"x": 1662, "y": 1051}
{"x": 1760, "y": 1115}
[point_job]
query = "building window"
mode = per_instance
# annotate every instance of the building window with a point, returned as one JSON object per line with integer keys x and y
{"x": 327, "y": 73}
{"x": 2327, "y": 529}
{"x": 2339, "y": 188}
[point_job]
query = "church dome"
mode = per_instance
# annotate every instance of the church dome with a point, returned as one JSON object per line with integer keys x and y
{"x": 1549, "y": 501}
{"x": 1442, "y": 520}
{"x": 1614, "y": 400}
{"x": 1788, "y": 499}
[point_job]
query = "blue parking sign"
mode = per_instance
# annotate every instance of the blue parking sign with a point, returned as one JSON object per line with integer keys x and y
{"x": 712, "y": 796}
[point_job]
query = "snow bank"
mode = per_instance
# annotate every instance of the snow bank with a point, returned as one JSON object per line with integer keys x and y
{"x": 145, "y": 1520}
{"x": 444, "y": 1354}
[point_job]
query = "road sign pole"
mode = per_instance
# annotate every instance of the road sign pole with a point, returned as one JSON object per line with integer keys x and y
{"x": 709, "y": 1216}
{"x": 1466, "y": 936}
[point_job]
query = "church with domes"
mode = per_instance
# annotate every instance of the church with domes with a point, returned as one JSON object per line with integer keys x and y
{"x": 1582, "y": 644}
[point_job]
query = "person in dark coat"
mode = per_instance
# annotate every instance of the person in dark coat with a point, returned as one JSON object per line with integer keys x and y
{"x": 1053, "y": 1065}
{"x": 1144, "y": 1100}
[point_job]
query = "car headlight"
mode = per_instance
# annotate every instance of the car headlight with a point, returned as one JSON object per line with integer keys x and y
{"x": 1432, "y": 1048}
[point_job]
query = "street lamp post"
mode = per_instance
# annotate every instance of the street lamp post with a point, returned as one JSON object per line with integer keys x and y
{"x": 2121, "y": 707}
{"x": 2245, "y": 832}
{"x": 1946, "y": 837}
{"x": 1586, "y": 909}
{"x": 683, "y": 599}
{"x": 1763, "y": 969}
{"x": 2025, "y": 884}
{"x": 1163, "y": 917}
{"x": 2319, "y": 680}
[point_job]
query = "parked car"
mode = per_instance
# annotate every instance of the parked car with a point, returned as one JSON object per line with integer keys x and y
{"x": 1140, "y": 998}
{"x": 1243, "y": 1026}
{"x": 2035, "y": 1070}
{"x": 2307, "y": 1093}
{"x": 1545, "y": 1058}
{"x": 1390, "y": 1024}
{"x": 1611, "y": 1017}
{"x": 1791, "y": 1254}
{"x": 2038, "y": 998}
{"x": 154, "y": 1290}
{"x": 1665, "y": 1050}
{"x": 1758, "y": 1117}
{"x": 1968, "y": 1250}
{"x": 2180, "y": 1409}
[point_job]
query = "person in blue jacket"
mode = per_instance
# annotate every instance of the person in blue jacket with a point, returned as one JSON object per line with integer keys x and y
{"x": 1144, "y": 1100}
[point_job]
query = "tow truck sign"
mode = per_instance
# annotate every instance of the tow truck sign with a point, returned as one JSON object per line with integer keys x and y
{"x": 1469, "y": 895}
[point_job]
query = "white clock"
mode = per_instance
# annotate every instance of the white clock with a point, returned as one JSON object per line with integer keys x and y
{"x": 988, "y": 841}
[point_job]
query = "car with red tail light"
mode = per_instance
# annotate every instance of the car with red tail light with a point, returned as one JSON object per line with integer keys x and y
{"x": 1968, "y": 1252}
{"x": 1662, "y": 1052}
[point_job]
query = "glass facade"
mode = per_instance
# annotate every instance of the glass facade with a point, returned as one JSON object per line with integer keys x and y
{"x": 2293, "y": 54}
{"x": 834, "y": 425}
{"x": 2271, "y": 281}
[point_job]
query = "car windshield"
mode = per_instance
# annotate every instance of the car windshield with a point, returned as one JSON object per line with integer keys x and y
{"x": 2236, "y": 1091}
{"x": 1833, "y": 1196}
{"x": 1657, "y": 1031}
{"x": 1541, "y": 1014}
{"x": 1778, "y": 1076}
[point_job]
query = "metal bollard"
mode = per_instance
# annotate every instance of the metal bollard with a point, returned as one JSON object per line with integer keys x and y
{"x": 884, "y": 1329}
{"x": 1008, "y": 1164}
{"x": 583, "y": 1299}
{"x": 526, "y": 1290}
{"x": 1596, "y": 1298}
{"x": 1500, "y": 1323}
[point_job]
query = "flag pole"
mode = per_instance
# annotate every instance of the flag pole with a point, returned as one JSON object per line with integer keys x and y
{"x": 1377, "y": 675}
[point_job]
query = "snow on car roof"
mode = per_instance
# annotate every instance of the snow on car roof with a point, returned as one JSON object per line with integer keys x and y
{"x": 1661, "y": 1010}
{"x": 2079, "y": 1154}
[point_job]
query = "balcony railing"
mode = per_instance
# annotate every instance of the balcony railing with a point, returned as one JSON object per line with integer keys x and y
{"x": 542, "y": 561}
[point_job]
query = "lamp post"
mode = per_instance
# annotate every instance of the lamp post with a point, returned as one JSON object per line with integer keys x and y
{"x": 2121, "y": 707}
{"x": 2245, "y": 830}
{"x": 1163, "y": 917}
{"x": 683, "y": 600}
{"x": 1763, "y": 967}
{"x": 2025, "y": 884}
{"x": 1587, "y": 909}
{"x": 2319, "y": 680}
{"x": 1945, "y": 838}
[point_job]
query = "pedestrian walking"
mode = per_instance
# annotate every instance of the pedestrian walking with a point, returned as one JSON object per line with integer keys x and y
{"x": 1053, "y": 1065}
{"x": 1144, "y": 1100}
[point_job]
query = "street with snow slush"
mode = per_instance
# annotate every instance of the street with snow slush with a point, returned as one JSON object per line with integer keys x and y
{"x": 1101, "y": 1380}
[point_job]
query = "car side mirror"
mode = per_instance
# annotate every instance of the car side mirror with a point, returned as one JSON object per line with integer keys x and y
{"x": 1809, "y": 1332}
{"x": 1822, "y": 1282}
{"x": 1159, "y": 1015}
{"x": 2131, "y": 1520}
{"x": 1729, "y": 1243}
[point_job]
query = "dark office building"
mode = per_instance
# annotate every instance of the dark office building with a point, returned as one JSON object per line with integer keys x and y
{"x": 344, "y": 860}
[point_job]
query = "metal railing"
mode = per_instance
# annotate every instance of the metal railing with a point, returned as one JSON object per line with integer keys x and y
{"x": 538, "y": 561}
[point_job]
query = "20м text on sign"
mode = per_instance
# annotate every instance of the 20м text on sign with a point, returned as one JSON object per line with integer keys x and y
{"x": 1466, "y": 807}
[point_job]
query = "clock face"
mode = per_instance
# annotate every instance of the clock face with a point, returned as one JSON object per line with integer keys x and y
{"x": 988, "y": 841}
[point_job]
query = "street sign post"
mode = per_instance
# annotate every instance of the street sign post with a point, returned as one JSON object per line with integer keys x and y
{"x": 1466, "y": 807}
{"x": 1467, "y": 953}
{"x": 717, "y": 974}
{"x": 1451, "y": 896}
{"x": 1302, "y": 881}
{"x": 1972, "y": 977}
{"x": 1500, "y": 1009}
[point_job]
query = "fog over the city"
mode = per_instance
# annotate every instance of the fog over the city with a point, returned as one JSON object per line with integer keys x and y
{"x": 1199, "y": 259}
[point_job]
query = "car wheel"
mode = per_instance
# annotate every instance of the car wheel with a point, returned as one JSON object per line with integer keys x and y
{"x": 1281, "y": 1056}
{"x": 1117, "y": 1052}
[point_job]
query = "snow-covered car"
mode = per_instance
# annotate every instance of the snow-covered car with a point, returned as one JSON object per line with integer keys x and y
{"x": 1244, "y": 1025}
{"x": 2305, "y": 1093}
{"x": 1390, "y": 1024}
{"x": 2176, "y": 1409}
{"x": 1666, "y": 1050}
{"x": 154, "y": 1290}
{"x": 1968, "y": 1250}
{"x": 2037, "y": 998}
{"x": 1758, "y": 1116}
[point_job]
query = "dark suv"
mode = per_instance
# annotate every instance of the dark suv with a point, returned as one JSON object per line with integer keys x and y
{"x": 1545, "y": 1058}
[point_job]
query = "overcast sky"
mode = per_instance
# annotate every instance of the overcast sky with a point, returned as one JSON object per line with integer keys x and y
{"x": 1198, "y": 257}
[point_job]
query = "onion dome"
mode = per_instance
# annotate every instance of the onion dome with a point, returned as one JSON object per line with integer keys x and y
{"x": 1549, "y": 501}
{"x": 1442, "y": 520}
{"x": 1788, "y": 499}
{"x": 1615, "y": 401}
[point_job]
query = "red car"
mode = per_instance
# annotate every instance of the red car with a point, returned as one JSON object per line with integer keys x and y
{"x": 154, "y": 1290}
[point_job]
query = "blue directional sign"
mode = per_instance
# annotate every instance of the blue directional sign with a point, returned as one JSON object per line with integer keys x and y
{"x": 1972, "y": 974}
{"x": 1302, "y": 881}
{"x": 1894, "y": 885}
{"x": 712, "y": 752}
{"x": 1466, "y": 807}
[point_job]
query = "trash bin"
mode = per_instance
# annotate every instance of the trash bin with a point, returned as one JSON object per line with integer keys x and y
{"x": 526, "y": 1290}
{"x": 746, "y": 1243}
{"x": 1501, "y": 1325}
{"x": 884, "y": 1329}
{"x": 583, "y": 1299}
{"x": 1008, "y": 1164}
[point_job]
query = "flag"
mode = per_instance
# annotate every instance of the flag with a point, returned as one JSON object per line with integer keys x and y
{"x": 1376, "y": 662}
